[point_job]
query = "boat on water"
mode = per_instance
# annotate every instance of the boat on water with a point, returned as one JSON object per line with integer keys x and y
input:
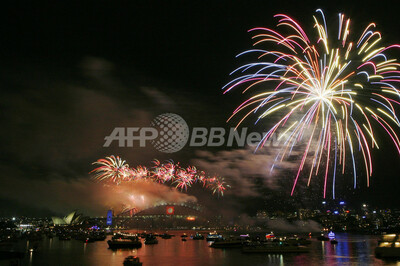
{"x": 227, "y": 243}
{"x": 388, "y": 246}
{"x": 245, "y": 237}
{"x": 184, "y": 239}
{"x": 184, "y": 235}
{"x": 198, "y": 236}
{"x": 132, "y": 261}
{"x": 150, "y": 240}
{"x": 270, "y": 236}
{"x": 89, "y": 240}
{"x": 166, "y": 236}
{"x": 124, "y": 243}
{"x": 121, "y": 235}
{"x": 212, "y": 236}
{"x": 274, "y": 247}
{"x": 334, "y": 241}
{"x": 322, "y": 237}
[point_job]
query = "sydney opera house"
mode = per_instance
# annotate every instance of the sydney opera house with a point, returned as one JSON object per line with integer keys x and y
{"x": 73, "y": 218}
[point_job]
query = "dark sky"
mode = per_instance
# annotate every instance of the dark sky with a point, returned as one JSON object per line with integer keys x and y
{"x": 72, "y": 71}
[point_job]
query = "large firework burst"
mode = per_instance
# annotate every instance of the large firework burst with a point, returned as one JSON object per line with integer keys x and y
{"x": 115, "y": 169}
{"x": 329, "y": 91}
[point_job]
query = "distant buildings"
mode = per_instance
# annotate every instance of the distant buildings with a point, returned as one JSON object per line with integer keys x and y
{"x": 168, "y": 215}
{"x": 338, "y": 216}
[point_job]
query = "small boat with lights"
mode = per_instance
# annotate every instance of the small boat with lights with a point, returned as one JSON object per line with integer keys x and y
{"x": 322, "y": 237}
{"x": 166, "y": 236}
{"x": 270, "y": 236}
{"x": 132, "y": 261}
{"x": 227, "y": 243}
{"x": 388, "y": 246}
{"x": 150, "y": 240}
{"x": 334, "y": 241}
{"x": 124, "y": 243}
{"x": 198, "y": 236}
{"x": 212, "y": 236}
{"x": 121, "y": 235}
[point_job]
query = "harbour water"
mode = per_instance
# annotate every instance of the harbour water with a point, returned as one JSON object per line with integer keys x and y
{"x": 351, "y": 250}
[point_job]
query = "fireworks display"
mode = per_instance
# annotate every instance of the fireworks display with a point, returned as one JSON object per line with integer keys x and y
{"x": 329, "y": 91}
{"x": 114, "y": 169}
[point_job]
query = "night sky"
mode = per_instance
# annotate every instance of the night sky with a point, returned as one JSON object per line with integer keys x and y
{"x": 72, "y": 71}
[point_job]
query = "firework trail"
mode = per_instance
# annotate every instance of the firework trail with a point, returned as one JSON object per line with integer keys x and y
{"x": 342, "y": 88}
{"x": 115, "y": 169}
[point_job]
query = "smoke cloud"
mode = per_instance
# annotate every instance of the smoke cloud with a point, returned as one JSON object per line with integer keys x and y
{"x": 301, "y": 226}
{"x": 240, "y": 167}
{"x": 61, "y": 196}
